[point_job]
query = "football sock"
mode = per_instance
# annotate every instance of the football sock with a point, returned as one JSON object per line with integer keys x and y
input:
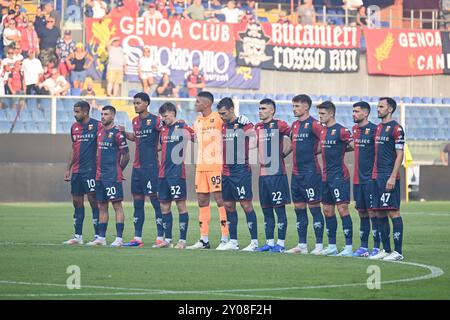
{"x": 204, "y": 217}
{"x": 384, "y": 230}
{"x": 232, "y": 219}
{"x": 158, "y": 217}
{"x": 347, "y": 227}
{"x": 302, "y": 224}
{"x": 78, "y": 218}
{"x": 364, "y": 230}
{"x": 119, "y": 229}
{"x": 167, "y": 220}
{"x": 280, "y": 242}
{"x": 184, "y": 221}
{"x": 139, "y": 217}
{"x": 318, "y": 223}
{"x": 223, "y": 223}
{"x": 270, "y": 242}
{"x": 331, "y": 224}
{"x": 252, "y": 224}
{"x": 375, "y": 233}
{"x": 269, "y": 222}
{"x": 95, "y": 215}
{"x": 397, "y": 233}
{"x": 282, "y": 222}
{"x": 102, "y": 229}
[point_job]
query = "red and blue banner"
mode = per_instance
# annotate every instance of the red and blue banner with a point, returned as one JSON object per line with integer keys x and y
{"x": 175, "y": 45}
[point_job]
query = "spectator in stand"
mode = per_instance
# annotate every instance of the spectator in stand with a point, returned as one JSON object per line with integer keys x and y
{"x": 11, "y": 35}
{"x": 56, "y": 85}
{"x": 195, "y": 82}
{"x": 249, "y": 6}
{"x": 79, "y": 62}
{"x": 248, "y": 17}
{"x": 146, "y": 70}
{"x": 32, "y": 72}
{"x": 64, "y": 48}
{"x": 361, "y": 18}
{"x": 40, "y": 21}
{"x": 99, "y": 8}
{"x": 283, "y": 18}
{"x": 116, "y": 67}
{"x": 50, "y": 12}
{"x": 165, "y": 7}
{"x": 119, "y": 11}
{"x": 17, "y": 56}
{"x": 89, "y": 91}
{"x": 152, "y": 13}
{"x": 166, "y": 88}
{"x": 49, "y": 38}
{"x": 231, "y": 13}
{"x": 133, "y": 6}
{"x": 8, "y": 63}
{"x": 177, "y": 13}
{"x": 307, "y": 13}
{"x": 29, "y": 40}
{"x": 15, "y": 79}
{"x": 2, "y": 82}
{"x": 195, "y": 11}
{"x": 48, "y": 70}
{"x": 21, "y": 18}
{"x": 352, "y": 6}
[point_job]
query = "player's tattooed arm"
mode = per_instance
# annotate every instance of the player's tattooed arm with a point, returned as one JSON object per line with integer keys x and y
{"x": 130, "y": 136}
{"x": 287, "y": 150}
{"x": 390, "y": 184}
{"x": 124, "y": 159}
{"x": 350, "y": 147}
{"x": 69, "y": 166}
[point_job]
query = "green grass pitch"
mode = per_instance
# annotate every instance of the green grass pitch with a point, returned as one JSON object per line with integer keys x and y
{"x": 33, "y": 262}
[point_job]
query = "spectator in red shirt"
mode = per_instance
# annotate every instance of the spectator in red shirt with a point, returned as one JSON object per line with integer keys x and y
{"x": 195, "y": 81}
{"x": 15, "y": 79}
{"x": 29, "y": 40}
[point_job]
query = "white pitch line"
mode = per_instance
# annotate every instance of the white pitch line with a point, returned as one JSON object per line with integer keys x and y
{"x": 434, "y": 273}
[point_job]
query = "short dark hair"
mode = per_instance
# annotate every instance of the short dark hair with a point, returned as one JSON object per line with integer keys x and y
{"x": 391, "y": 103}
{"x": 168, "y": 107}
{"x": 110, "y": 108}
{"x": 327, "y": 105}
{"x": 226, "y": 103}
{"x": 363, "y": 105}
{"x": 143, "y": 96}
{"x": 206, "y": 94}
{"x": 303, "y": 98}
{"x": 270, "y": 102}
{"x": 83, "y": 105}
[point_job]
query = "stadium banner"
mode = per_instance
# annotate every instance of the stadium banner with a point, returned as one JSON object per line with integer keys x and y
{"x": 288, "y": 47}
{"x": 401, "y": 52}
{"x": 175, "y": 46}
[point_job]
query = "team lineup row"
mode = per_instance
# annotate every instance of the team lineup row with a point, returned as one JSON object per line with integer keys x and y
{"x": 100, "y": 153}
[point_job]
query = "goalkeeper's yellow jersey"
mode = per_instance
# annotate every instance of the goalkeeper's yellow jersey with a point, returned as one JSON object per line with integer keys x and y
{"x": 208, "y": 131}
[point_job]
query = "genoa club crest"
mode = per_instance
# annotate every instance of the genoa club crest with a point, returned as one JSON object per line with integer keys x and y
{"x": 149, "y": 122}
{"x": 90, "y": 126}
{"x": 367, "y": 131}
{"x": 333, "y": 132}
{"x": 306, "y": 125}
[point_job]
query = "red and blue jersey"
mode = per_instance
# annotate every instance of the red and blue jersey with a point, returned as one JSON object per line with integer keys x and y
{"x": 84, "y": 145}
{"x": 111, "y": 144}
{"x": 334, "y": 141}
{"x": 389, "y": 137}
{"x": 270, "y": 138}
{"x": 364, "y": 138}
{"x": 305, "y": 137}
{"x": 174, "y": 139}
{"x": 146, "y": 132}
{"x": 236, "y": 145}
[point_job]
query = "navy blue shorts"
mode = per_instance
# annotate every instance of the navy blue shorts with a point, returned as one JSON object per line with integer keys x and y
{"x": 336, "y": 192}
{"x": 108, "y": 191}
{"x": 172, "y": 189}
{"x": 82, "y": 183}
{"x": 306, "y": 188}
{"x": 363, "y": 195}
{"x": 383, "y": 199}
{"x": 237, "y": 188}
{"x": 274, "y": 191}
{"x": 144, "y": 181}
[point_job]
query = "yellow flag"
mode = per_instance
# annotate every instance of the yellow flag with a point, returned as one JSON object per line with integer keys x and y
{"x": 408, "y": 160}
